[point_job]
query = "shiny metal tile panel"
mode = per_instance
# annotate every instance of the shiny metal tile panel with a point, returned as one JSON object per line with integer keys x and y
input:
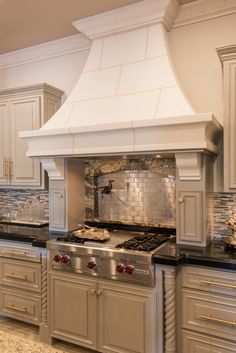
{"x": 137, "y": 196}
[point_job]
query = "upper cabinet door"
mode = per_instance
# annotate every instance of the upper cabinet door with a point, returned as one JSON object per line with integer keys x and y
{"x": 22, "y": 109}
{"x": 190, "y": 217}
{"x": 228, "y": 59}
{"x": 24, "y": 115}
{"x": 4, "y": 143}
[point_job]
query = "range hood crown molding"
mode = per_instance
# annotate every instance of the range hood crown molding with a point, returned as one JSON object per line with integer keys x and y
{"x": 199, "y": 132}
{"x": 129, "y": 17}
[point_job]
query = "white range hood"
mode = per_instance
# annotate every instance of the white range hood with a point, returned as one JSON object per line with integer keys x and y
{"x": 127, "y": 99}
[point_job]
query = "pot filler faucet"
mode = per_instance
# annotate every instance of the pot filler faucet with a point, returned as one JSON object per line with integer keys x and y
{"x": 106, "y": 189}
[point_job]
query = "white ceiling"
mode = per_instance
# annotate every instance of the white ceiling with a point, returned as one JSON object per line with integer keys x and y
{"x": 24, "y": 23}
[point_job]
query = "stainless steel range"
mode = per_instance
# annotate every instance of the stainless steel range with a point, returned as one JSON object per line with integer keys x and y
{"x": 125, "y": 256}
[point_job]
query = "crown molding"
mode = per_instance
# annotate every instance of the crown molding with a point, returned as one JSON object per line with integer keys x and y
{"x": 129, "y": 17}
{"x": 59, "y": 47}
{"x": 203, "y": 10}
{"x": 227, "y": 53}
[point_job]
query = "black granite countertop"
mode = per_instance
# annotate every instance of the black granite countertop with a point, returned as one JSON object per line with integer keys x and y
{"x": 37, "y": 236}
{"x": 214, "y": 255}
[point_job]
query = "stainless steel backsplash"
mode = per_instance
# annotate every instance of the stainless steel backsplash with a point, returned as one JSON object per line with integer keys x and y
{"x": 137, "y": 196}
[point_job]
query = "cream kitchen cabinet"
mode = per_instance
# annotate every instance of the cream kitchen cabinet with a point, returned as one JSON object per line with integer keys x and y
{"x": 21, "y": 109}
{"x": 228, "y": 59}
{"x": 190, "y": 216}
{"x": 208, "y": 310}
{"x": 102, "y": 315}
{"x": 21, "y": 282}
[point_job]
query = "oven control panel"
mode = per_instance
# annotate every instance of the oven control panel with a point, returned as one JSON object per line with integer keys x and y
{"x": 105, "y": 267}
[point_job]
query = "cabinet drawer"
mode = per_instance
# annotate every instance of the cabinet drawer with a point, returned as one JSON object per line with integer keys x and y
{"x": 20, "y": 251}
{"x": 198, "y": 343}
{"x": 19, "y": 305}
{"x": 20, "y": 274}
{"x": 209, "y": 280}
{"x": 208, "y": 313}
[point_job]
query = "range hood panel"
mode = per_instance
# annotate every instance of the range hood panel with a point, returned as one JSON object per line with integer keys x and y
{"x": 127, "y": 98}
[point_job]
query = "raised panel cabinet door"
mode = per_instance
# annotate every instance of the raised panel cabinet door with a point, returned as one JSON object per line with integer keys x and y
{"x": 195, "y": 343}
{"x": 24, "y": 115}
{"x": 72, "y": 310}
{"x": 57, "y": 208}
{"x": 190, "y": 216}
{"x": 127, "y": 319}
{"x": 229, "y": 125}
{"x": 4, "y": 143}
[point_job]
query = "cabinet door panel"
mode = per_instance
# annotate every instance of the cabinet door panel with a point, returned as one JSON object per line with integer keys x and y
{"x": 57, "y": 209}
{"x": 229, "y": 125}
{"x": 24, "y": 275}
{"x": 24, "y": 115}
{"x": 72, "y": 307}
{"x": 20, "y": 305}
{"x": 195, "y": 343}
{"x": 208, "y": 313}
{"x": 190, "y": 216}
{"x": 126, "y": 319}
{"x": 4, "y": 142}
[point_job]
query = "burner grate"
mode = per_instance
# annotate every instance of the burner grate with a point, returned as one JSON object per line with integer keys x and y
{"x": 144, "y": 242}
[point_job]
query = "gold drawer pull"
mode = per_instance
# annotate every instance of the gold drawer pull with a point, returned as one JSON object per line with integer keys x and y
{"x": 99, "y": 292}
{"x": 210, "y": 282}
{"x": 219, "y": 321}
{"x": 93, "y": 291}
{"x": 13, "y": 307}
{"x": 6, "y": 168}
{"x": 10, "y": 162}
{"x": 12, "y": 275}
{"x": 14, "y": 252}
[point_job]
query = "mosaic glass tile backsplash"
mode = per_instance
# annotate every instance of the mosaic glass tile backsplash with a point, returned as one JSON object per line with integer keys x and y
{"x": 221, "y": 203}
{"x": 13, "y": 201}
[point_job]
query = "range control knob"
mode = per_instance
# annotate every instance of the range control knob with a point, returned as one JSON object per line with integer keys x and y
{"x": 65, "y": 259}
{"x": 91, "y": 265}
{"x": 130, "y": 269}
{"x": 120, "y": 268}
{"x": 57, "y": 258}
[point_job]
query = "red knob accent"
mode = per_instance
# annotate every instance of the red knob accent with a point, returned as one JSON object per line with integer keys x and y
{"x": 57, "y": 258}
{"x": 120, "y": 268}
{"x": 130, "y": 269}
{"x": 91, "y": 265}
{"x": 65, "y": 259}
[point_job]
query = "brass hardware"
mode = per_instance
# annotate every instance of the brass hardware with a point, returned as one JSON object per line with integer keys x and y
{"x": 13, "y": 307}
{"x": 181, "y": 199}
{"x": 14, "y": 252}
{"x": 219, "y": 321}
{"x": 6, "y": 168}
{"x": 210, "y": 282}
{"x": 24, "y": 277}
{"x": 93, "y": 291}
{"x": 59, "y": 195}
{"x": 99, "y": 292}
{"x": 10, "y": 162}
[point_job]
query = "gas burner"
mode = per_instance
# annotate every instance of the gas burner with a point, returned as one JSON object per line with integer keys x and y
{"x": 146, "y": 242}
